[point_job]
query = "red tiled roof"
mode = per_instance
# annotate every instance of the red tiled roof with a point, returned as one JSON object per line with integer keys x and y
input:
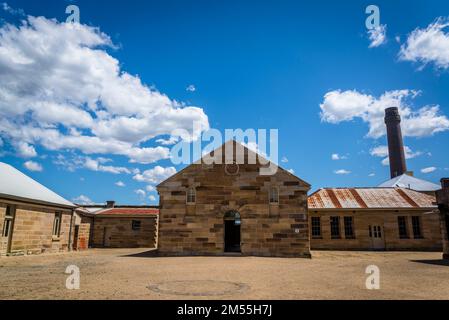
{"x": 129, "y": 212}
{"x": 370, "y": 198}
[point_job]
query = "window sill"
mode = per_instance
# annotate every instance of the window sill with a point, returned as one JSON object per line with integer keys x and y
{"x": 55, "y": 238}
{"x": 317, "y": 238}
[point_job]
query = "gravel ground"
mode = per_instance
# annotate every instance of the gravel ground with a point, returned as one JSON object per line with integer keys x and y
{"x": 132, "y": 274}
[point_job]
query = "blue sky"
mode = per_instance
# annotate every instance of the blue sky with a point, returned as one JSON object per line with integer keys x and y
{"x": 295, "y": 66}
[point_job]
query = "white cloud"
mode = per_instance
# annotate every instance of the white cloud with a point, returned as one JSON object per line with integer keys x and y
{"x": 120, "y": 184}
{"x": 429, "y": 45}
{"x": 25, "y": 150}
{"x": 428, "y": 170}
{"x": 341, "y": 106}
{"x": 284, "y": 160}
{"x": 377, "y": 36}
{"x": 191, "y": 88}
{"x": 168, "y": 142}
{"x": 75, "y": 95}
{"x": 372, "y": 175}
{"x": 82, "y": 200}
{"x": 33, "y": 166}
{"x": 152, "y": 198}
{"x": 382, "y": 152}
{"x": 155, "y": 175}
{"x": 141, "y": 193}
{"x": 6, "y": 7}
{"x": 336, "y": 156}
{"x": 150, "y": 188}
{"x": 95, "y": 165}
{"x": 342, "y": 171}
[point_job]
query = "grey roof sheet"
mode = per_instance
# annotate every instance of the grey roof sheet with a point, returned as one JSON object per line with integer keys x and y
{"x": 16, "y": 184}
{"x": 409, "y": 182}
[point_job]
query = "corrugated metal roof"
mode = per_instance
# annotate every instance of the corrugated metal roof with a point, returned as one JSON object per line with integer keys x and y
{"x": 15, "y": 184}
{"x": 128, "y": 212}
{"x": 369, "y": 198}
{"x": 409, "y": 182}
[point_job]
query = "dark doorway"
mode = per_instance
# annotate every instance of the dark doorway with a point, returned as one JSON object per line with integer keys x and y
{"x": 75, "y": 238}
{"x": 232, "y": 231}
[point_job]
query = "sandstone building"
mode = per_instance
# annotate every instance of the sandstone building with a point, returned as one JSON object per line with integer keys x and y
{"x": 124, "y": 227}
{"x": 374, "y": 219}
{"x": 443, "y": 205}
{"x": 33, "y": 219}
{"x": 213, "y": 209}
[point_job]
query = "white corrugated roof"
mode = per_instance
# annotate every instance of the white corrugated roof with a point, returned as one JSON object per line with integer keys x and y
{"x": 409, "y": 182}
{"x": 14, "y": 183}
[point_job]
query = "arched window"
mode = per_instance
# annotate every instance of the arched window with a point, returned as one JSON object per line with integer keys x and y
{"x": 274, "y": 195}
{"x": 191, "y": 195}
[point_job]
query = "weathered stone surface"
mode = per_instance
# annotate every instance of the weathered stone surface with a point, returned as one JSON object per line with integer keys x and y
{"x": 120, "y": 234}
{"x": 266, "y": 230}
{"x": 387, "y": 220}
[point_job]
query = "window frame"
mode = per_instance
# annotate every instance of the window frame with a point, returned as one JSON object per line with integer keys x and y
{"x": 271, "y": 194}
{"x": 8, "y": 221}
{"x": 348, "y": 227}
{"x": 136, "y": 225}
{"x": 403, "y": 232}
{"x": 333, "y": 227}
{"x": 191, "y": 195}
{"x": 57, "y": 222}
{"x": 315, "y": 227}
{"x": 417, "y": 228}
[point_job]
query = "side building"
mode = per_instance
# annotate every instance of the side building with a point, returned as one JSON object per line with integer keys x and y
{"x": 374, "y": 219}
{"x": 33, "y": 218}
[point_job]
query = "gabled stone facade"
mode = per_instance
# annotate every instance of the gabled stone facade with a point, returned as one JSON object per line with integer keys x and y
{"x": 277, "y": 230}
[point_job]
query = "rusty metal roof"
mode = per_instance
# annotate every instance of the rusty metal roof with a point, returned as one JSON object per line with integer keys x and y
{"x": 369, "y": 198}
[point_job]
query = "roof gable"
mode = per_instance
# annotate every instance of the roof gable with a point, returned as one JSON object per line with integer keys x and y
{"x": 410, "y": 182}
{"x": 247, "y": 153}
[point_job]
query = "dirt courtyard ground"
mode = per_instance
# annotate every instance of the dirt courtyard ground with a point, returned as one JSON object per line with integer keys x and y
{"x": 133, "y": 274}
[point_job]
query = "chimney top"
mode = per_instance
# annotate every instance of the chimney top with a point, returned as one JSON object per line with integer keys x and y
{"x": 445, "y": 183}
{"x": 110, "y": 204}
{"x": 392, "y": 115}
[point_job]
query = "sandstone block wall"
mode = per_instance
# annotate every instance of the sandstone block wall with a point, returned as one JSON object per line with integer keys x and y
{"x": 33, "y": 230}
{"x": 266, "y": 230}
{"x": 121, "y": 235}
{"x": 388, "y": 220}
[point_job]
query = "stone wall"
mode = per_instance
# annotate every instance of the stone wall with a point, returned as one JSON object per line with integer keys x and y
{"x": 266, "y": 230}
{"x": 120, "y": 234}
{"x": 33, "y": 230}
{"x": 388, "y": 220}
{"x": 84, "y": 225}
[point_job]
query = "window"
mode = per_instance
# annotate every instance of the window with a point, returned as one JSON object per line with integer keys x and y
{"x": 6, "y": 228}
{"x": 274, "y": 195}
{"x": 191, "y": 196}
{"x": 416, "y": 222}
{"x": 402, "y": 225}
{"x": 136, "y": 225}
{"x": 349, "y": 228}
{"x": 7, "y": 225}
{"x": 375, "y": 232}
{"x": 335, "y": 227}
{"x": 316, "y": 227}
{"x": 57, "y": 224}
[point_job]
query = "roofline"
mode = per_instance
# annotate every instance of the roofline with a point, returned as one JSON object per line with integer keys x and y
{"x": 375, "y": 209}
{"x": 34, "y": 201}
{"x": 144, "y": 216}
{"x": 258, "y": 154}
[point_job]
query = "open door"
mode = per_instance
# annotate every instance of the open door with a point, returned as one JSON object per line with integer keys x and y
{"x": 232, "y": 224}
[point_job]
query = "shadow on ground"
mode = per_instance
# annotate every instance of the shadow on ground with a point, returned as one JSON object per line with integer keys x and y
{"x": 433, "y": 262}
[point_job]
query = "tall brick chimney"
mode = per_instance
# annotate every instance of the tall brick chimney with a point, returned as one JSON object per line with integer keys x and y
{"x": 395, "y": 144}
{"x": 110, "y": 204}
